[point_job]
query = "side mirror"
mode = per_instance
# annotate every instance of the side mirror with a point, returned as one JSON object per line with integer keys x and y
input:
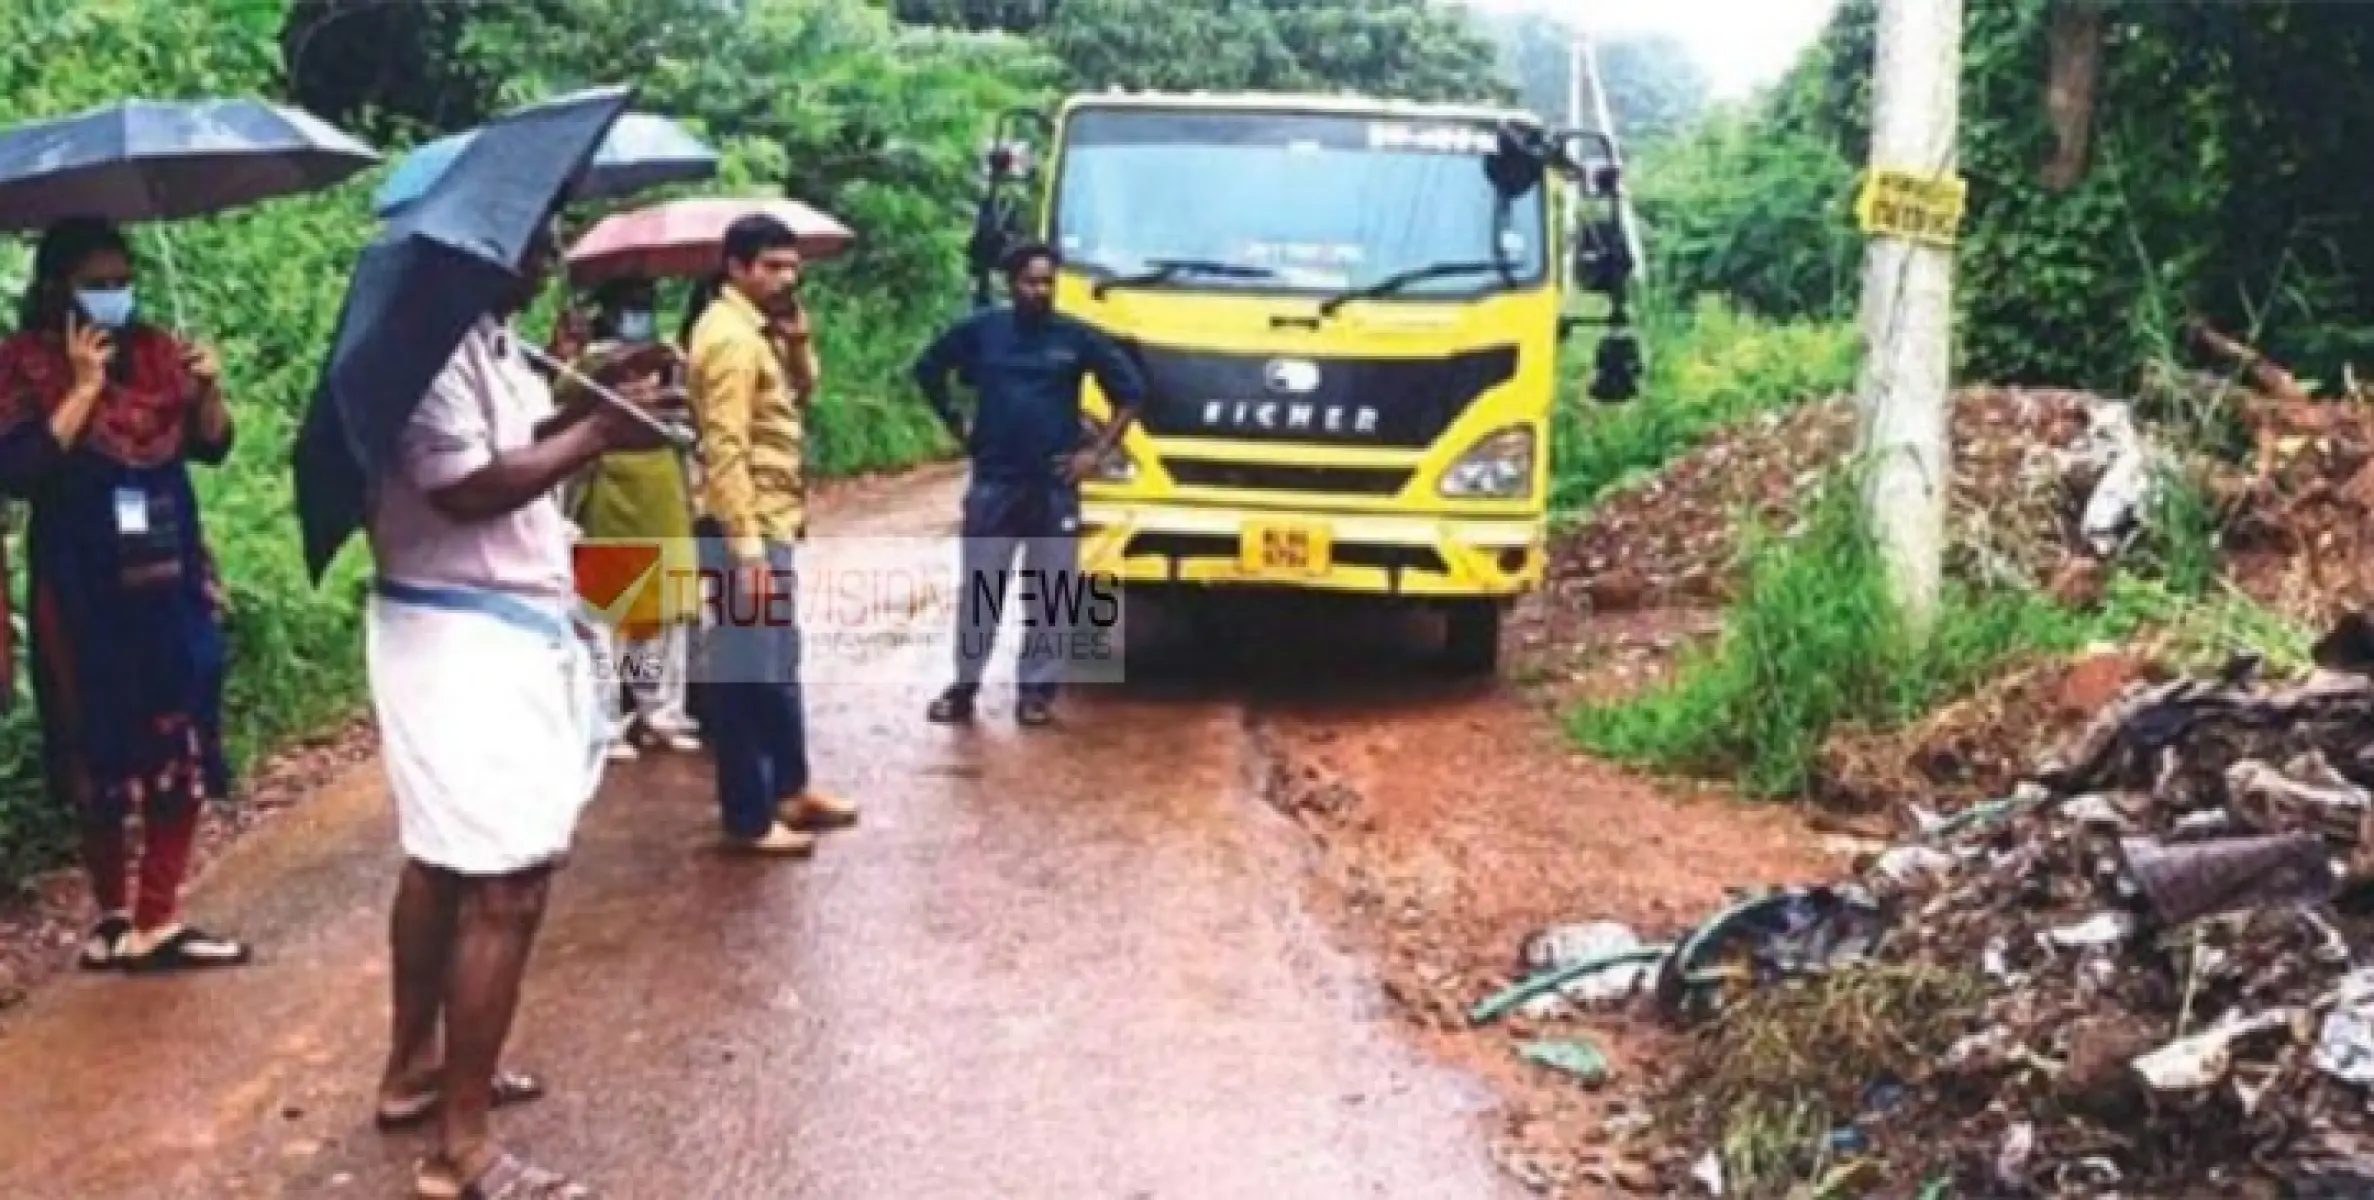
{"x": 997, "y": 226}
{"x": 1008, "y": 162}
{"x": 1512, "y": 173}
{"x": 1602, "y": 260}
{"x": 1615, "y": 369}
{"x": 1586, "y": 154}
{"x": 1008, "y": 159}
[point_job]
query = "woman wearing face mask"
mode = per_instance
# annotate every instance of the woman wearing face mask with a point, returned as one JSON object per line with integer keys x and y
{"x": 643, "y": 495}
{"x": 100, "y": 414}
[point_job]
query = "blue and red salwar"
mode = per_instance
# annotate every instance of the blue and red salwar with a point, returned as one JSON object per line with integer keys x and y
{"x": 124, "y": 608}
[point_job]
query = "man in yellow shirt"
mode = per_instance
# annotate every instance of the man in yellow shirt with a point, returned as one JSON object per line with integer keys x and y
{"x": 750, "y": 385}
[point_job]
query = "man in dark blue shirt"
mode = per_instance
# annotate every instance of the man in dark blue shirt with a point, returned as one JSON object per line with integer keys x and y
{"x": 1025, "y": 363}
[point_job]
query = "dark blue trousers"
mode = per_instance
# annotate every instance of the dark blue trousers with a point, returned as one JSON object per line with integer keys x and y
{"x": 1041, "y": 519}
{"x": 756, "y": 715}
{"x": 698, "y": 691}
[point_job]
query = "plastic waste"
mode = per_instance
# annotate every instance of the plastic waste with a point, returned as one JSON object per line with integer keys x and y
{"x": 2345, "y": 1043}
{"x": 2187, "y": 881}
{"x": 1577, "y": 1057}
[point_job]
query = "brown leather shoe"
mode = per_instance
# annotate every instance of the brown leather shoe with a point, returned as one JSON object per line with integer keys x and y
{"x": 779, "y": 841}
{"x": 812, "y": 810}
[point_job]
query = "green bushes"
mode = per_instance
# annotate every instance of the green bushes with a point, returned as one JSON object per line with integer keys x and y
{"x": 2222, "y": 137}
{"x": 1754, "y": 212}
{"x": 1708, "y": 366}
{"x": 877, "y": 123}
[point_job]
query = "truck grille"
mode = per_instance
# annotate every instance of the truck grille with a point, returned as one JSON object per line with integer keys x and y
{"x": 1401, "y": 403}
{"x": 1275, "y": 477}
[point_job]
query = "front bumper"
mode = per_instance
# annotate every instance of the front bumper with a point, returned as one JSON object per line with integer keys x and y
{"x": 1372, "y": 553}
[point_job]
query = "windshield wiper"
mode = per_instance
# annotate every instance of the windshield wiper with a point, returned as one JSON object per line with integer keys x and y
{"x": 1160, "y": 269}
{"x": 1401, "y": 279}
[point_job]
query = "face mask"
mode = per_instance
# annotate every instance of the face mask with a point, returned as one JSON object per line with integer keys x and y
{"x": 635, "y": 326}
{"x": 109, "y": 308}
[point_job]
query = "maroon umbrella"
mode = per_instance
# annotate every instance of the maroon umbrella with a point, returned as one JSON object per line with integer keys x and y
{"x": 682, "y": 238}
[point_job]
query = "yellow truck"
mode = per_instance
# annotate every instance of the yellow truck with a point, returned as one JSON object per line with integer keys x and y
{"x": 1351, "y": 315}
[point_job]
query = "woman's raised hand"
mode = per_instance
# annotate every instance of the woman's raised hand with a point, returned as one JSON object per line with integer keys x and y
{"x": 87, "y": 351}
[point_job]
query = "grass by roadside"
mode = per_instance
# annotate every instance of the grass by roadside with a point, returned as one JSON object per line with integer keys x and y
{"x": 1815, "y": 643}
{"x": 1708, "y": 366}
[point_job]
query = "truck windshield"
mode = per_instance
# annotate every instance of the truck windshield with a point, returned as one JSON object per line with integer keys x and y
{"x": 1307, "y": 202}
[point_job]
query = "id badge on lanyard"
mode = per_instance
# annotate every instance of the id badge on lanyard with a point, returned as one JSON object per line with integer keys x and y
{"x": 147, "y": 538}
{"x": 131, "y": 512}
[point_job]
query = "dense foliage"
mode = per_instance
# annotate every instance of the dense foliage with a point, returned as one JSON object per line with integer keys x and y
{"x": 1709, "y": 366}
{"x": 2223, "y": 142}
{"x": 1409, "y": 49}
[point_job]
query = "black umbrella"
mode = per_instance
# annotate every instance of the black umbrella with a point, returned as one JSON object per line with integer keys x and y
{"x": 435, "y": 271}
{"x": 156, "y": 160}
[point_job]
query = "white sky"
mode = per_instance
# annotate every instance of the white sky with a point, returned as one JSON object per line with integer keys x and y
{"x": 1739, "y": 43}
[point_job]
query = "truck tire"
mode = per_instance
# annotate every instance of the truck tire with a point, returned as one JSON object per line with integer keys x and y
{"x": 1471, "y": 641}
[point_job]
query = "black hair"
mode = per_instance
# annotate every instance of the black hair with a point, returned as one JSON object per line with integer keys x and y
{"x": 64, "y": 246}
{"x": 753, "y": 235}
{"x": 1022, "y": 254}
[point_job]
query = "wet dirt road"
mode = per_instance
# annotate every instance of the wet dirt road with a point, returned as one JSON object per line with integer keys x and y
{"x": 1067, "y": 963}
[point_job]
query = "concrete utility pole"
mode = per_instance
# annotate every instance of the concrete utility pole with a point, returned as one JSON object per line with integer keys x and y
{"x": 1582, "y": 65}
{"x": 1908, "y": 302}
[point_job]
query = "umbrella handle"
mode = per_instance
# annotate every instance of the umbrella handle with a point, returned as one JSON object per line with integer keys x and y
{"x": 676, "y": 435}
{"x": 181, "y": 324}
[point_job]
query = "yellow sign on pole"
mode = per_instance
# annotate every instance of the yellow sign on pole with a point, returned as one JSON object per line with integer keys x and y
{"x": 1918, "y": 208}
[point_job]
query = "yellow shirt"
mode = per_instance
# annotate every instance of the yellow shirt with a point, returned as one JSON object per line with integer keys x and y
{"x": 750, "y": 407}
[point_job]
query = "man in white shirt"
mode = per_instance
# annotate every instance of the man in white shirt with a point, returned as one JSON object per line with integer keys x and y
{"x": 489, "y": 718}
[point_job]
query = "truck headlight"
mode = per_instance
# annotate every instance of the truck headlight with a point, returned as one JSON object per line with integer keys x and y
{"x": 1499, "y": 467}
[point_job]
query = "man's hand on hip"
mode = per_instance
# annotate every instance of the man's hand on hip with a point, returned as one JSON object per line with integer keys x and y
{"x": 1082, "y": 463}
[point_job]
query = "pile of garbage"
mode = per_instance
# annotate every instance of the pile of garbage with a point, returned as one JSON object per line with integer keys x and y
{"x": 2049, "y": 486}
{"x": 1975, "y": 748}
{"x": 2294, "y": 515}
{"x": 2149, "y": 969}
{"x": 2297, "y": 520}
{"x": 2040, "y": 477}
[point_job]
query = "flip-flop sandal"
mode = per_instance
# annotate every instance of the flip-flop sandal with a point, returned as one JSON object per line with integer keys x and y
{"x": 99, "y": 949}
{"x": 507, "y": 1178}
{"x": 510, "y": 1087}
{"x": 190, "y": 949}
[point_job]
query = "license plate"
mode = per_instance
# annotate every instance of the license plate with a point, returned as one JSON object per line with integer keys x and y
{"x": 1299, "y": 550}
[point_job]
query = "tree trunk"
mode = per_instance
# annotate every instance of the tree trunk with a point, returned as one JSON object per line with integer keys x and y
{"x": 2076, "y": 37}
